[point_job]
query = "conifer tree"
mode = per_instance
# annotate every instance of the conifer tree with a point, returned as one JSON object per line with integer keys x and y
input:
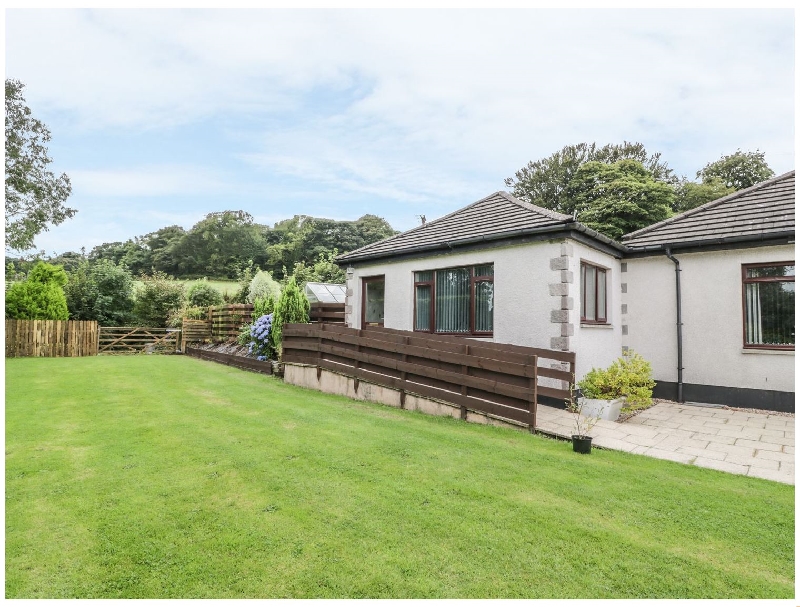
{"x": 292, "y": 307}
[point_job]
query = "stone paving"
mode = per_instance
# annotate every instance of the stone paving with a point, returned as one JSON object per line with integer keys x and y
{"x": 740, "y": 442}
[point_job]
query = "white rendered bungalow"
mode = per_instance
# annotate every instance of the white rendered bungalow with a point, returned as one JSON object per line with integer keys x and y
{"x": 734, "y": 260}
{"x": 501, "y": 270}
{"x": 507, "y": 271}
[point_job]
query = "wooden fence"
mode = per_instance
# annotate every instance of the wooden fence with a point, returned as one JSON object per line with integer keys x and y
{"x": 116, "y": 340}
{"x": 226, "y": 320}
{"x": 51, "y": 338}
{"x": 327, "y": 312}
{"x": 240, "y": 362}
{"x": 498, "y": 379}
{"x": 195, "y": 331}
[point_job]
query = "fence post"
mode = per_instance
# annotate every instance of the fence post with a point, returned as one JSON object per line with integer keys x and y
{"x": 403, "y": 376}
{"x": 533, "y": 384}
{"x": 356, "y": 362}
{"x": 319, "y": 350}
{"x": 465, "y": 371}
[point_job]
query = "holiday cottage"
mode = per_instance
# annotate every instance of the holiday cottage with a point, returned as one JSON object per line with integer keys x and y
{"x": 506, "y": 271}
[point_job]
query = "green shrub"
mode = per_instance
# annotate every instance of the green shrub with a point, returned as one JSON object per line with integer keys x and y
{"x": 40, "y": 296}
{"x": 176, "y": 316}
{"x": 263, "y": 305}
{"x": 157, "y": 299}
{"x": 102, "y": 291}
{"x": 630, "y": 376}
{"x": 263, "y": 285}
{"x": 292, "y": 307}
{"x": 201, "y": 295}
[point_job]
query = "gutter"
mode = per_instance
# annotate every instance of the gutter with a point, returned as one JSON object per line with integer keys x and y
{"x": 655, "y": 249}
{"x": 450, "y": 244}
{"x": 679, "y": 321}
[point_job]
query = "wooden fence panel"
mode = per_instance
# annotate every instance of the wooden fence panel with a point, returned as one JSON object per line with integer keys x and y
{"x": 498, "y": 379}
{"x": 240, "y": 362}
{"x": 228, "y": 319}
{"x": 131, "y": 340}
{"x": 327, "y": 312}
{"x": 51, "y": 338}
{"x": 195, "y": 331}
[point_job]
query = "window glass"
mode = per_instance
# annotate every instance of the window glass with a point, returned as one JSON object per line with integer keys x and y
{"x": 374, "y": 295}
{"x": 452, "y": 300}
{"x": 422, "y": 318}
{"x": 423, "y": 276}
{"x": 770, "y": 271}
{"x": 485, "y": 270}
{"x": 589, "y": 293}
{"x": 769, "y": 313}
{"x": 484, "y": 306}
{"x": 601, "y": 294}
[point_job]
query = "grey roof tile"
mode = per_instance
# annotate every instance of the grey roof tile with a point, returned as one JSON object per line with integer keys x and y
{"x": 495, "y": 216}
{"x": 762, "y": 211}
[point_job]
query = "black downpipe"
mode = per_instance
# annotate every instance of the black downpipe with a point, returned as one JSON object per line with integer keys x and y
{"x": 679, "y": 323}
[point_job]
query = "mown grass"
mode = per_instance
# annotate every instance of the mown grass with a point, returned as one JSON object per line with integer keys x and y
{"x": 152, "y": 476}
{"x": 223, "y": 286}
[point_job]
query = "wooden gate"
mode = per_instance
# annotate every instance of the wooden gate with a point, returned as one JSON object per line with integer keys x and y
{"x": 115, "y": 340}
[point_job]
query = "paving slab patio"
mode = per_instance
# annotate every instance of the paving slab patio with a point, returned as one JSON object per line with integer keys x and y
{"x": 735, "y": 441}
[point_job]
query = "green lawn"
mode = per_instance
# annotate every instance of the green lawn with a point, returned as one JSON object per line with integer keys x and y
{"x": 223, "y": 286}
{"x": 166, "y": 476}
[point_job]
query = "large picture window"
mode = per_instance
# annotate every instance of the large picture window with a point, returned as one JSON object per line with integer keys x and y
{"x": 455, "y": 300}
{"x": 768, "y": 292}
{"x": 593, "y": 294}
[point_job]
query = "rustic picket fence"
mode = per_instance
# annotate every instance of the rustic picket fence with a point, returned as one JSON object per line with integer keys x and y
{"x": 51, "y": 338}
{"x": 499, "y": 379}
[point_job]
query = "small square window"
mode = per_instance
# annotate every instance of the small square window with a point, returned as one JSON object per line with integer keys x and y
{"x": 593, "y": 294}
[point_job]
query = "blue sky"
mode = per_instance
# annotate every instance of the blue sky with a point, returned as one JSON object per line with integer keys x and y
{"x": 160, "y": 117}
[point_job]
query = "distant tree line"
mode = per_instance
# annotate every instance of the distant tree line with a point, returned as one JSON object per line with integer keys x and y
{"x": 223, "y": 243}
{"x": 134, "y": 282}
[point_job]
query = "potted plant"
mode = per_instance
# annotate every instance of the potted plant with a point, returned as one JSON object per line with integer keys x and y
{"x": 584, "y": 422}
{"x": 626, "y": 385}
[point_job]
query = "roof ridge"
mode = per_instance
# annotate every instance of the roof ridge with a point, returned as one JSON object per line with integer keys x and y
{"x": 534, "y": 208}
{"x": 707, "y": 205}
{"x": 502, "y": 194}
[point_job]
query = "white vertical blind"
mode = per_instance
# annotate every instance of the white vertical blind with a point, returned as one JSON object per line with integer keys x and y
{"x": 452, "y": 300}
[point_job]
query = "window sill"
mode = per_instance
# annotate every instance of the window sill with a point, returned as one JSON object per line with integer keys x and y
{"x": 767, "y": 351}
{"x": 594, "y": 325}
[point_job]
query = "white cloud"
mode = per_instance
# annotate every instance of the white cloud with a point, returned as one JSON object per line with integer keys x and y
{"x": 419, "y": 107}
{"x": 157, "y": 180}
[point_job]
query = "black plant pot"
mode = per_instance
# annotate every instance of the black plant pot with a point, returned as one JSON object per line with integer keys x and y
{"x": 581, "y": 444}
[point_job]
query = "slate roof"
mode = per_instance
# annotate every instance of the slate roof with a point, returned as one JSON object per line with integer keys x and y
{"x": 497, "y": 216}
{"x": 764, "y": 211}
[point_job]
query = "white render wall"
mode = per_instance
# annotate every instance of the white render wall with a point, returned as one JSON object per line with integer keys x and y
{"x": 536, "y": 295}
{"x": 596, "y": 345}
{"x": 711, "y": 294}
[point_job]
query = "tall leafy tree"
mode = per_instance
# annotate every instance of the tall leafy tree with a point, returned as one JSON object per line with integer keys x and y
{"x": 689, "y": 194}
{"x": 545, "y": 182}
{"x": 218, "y": 244}
{"x": 618, "y": 198}
{"x": 738, "y": 170}
{"x": 35, "y": 196}
{"x": 40, "y": 296}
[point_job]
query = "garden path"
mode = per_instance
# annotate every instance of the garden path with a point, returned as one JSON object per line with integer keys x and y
{"x": 752, "y": 443}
